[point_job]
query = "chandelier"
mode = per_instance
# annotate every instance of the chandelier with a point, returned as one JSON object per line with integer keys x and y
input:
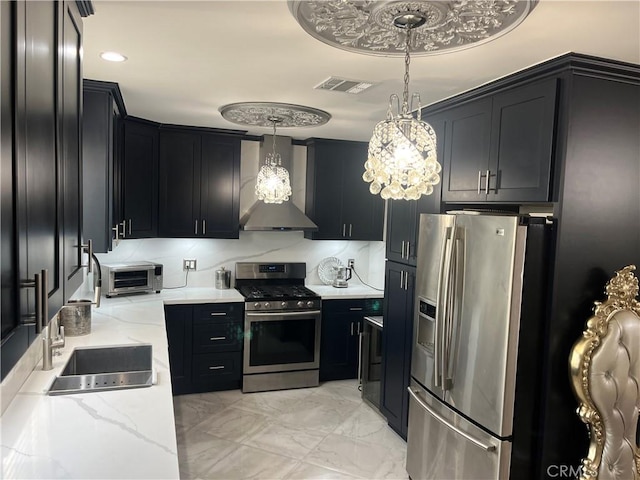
{"x": 273, "y": 184}
{"x": 402, "y": 161}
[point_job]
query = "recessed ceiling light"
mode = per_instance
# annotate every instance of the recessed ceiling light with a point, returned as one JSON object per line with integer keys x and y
{"x": 113, "y": 56}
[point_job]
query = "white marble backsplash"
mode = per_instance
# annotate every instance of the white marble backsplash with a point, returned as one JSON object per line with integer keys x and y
{"x": 212, "y": 254}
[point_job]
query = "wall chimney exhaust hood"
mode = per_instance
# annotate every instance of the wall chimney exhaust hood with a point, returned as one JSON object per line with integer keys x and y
{"x": 275, "y": 216}
{"x": 283, "y": 216}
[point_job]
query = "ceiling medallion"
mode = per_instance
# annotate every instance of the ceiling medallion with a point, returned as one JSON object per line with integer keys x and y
{"x": 366, "y": 26}
{"x": 261, "y": 114}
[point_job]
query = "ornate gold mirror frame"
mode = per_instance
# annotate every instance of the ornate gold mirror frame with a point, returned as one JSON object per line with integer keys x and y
{"x": 621, "y": 291}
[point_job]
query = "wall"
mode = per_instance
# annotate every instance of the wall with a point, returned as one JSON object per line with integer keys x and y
{"x": 211, "y": 254}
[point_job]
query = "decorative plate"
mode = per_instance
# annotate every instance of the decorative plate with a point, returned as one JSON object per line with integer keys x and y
{"x": 327, "y": 271}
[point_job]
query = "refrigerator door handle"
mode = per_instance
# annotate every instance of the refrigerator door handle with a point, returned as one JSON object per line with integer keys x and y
{"x": 452, "y": 309}
{"x": 414, "y": 393}
{"x": 441, "y": 309}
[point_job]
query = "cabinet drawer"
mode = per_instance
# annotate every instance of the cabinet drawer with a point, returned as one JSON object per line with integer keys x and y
{"x": 366, "y": 306}
{"x": 217, "y": 367}
{"x": 217, "y": 336}
{"x": 218, "y": 311}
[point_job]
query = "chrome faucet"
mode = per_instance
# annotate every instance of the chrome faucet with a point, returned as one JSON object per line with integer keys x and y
{"x": 52, "y": 340}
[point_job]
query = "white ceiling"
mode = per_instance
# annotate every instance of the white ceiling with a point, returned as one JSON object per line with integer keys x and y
{"x": 187, "y": 59}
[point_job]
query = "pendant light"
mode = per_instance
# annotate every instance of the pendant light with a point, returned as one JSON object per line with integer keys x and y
{"x": 273, "y": 184}
{"x": 402, "y": 161}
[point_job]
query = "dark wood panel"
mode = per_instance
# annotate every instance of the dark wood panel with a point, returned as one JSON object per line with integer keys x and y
{"x": 70, "y": 115}
{"x": 220, "y": 186}
{"x": 140, "y": 179}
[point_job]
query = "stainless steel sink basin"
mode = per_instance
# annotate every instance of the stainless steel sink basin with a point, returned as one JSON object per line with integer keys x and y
{"x": 97, "y": 369}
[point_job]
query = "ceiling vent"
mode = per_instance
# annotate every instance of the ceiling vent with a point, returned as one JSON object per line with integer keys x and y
{"x": 336, "y": 84}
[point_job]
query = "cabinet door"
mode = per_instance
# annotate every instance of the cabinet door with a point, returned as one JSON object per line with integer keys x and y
{"x": 523, "y": 126}
{"x": 362, "y": 212}
{"x": 179, "y": 325}
{"x": 36, "y": 150}
{"x": 401, "y": 226}
{"x": 180, "y": 184}
{"x": 396, "y": 345}
{"x": 466, "y": 153}
{"x": 70, "y": 98}
{"x": 220, "y": 187}
{"x": 97, "y": 168}
{"x": 140, "y": 179}
{"x": 338, "y": 347}
{"x": 324, "y": 190}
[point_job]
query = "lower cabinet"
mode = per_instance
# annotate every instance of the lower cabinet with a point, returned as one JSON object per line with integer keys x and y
{"x": 205, "y": 346}
{"x": 340, "y": 334}
{"x": 396, "y": 345}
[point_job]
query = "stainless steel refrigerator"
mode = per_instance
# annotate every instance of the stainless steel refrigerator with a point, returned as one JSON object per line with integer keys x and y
{"x": 469, "y": 297}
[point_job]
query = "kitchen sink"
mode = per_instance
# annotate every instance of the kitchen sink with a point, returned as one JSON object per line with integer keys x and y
{"x": 98, "y": 369}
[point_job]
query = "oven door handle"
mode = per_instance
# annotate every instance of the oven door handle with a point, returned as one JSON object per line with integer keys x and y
{"x": 285, "y": 314}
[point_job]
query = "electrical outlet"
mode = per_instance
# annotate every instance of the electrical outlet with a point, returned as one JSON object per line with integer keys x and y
{"x": 351, "y": 263}
{"x": 189, "y": 264}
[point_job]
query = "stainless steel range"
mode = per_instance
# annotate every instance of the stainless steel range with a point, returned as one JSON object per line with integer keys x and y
{"x": 281, "y": 327}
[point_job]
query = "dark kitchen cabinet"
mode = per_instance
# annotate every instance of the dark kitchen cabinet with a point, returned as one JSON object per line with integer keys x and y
{"x": 102, "y": 142}
{"x": 139, "y": 179}
{"x": 205, "y": 346}
{"x": 41, "y": 171}
{"x": 499, "y": 148}
{"x": 396, "y": 345}
{"x": 178, "y": 322}
{"x": 337, "y": 199}
{"x": 403, "y": 215}
{"x": 199, "y": 184}
{"x": 69, "y": 91}
{"x": 340, "y": 336}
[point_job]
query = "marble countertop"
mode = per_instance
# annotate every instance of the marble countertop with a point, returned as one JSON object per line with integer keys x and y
{"x": 115, "y": 434}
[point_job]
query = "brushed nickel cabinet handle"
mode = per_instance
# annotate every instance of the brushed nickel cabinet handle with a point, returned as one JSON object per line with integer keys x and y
{"x": 204, "y": 227}
{"x": 344, "y": 229}
{"x": 196, "y": 229}
{"x": 402, "y": 254}
{"x": 479, "y": 180}
{"x": 218, "y": 314}
{"x": 408, "y": 250}
{"x": 217, "y": 367}
{"x": 350, "y": 229}
{"x": 486, "y": 187}
{"x": 213, "y": 339}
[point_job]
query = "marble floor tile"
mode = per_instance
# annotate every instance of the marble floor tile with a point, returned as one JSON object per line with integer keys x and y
{"x": 199, "y": 451}
{"x": 285, "y": 440}
{"x": 308, "y": 471}
{"x": 349, "y": 455}
{"x": 233, "y": 424}
{"x": 326, "y": 432}
{"x": 248, "y": 462}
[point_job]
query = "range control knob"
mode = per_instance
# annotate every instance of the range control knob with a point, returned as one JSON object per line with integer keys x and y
{"x": 283, "y": 304}
{"x": 266, "y": 305}
{"x": 256, "y": 305}
{"x": 300, "y": 303}
{"x": 310, "y": 303}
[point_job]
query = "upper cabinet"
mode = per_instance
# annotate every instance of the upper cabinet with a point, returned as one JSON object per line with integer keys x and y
{"x": 139, "y": 180}
{"x": 102, "y": 141}
{"x": 199, "y": 184}
{"x": 499, "y": 148}
{"x": 337, "y": 198}
{"x": 41, "y": 172}
{"x": 403, "y": 215}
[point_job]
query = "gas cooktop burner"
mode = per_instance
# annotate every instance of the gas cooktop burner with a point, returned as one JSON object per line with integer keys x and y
{"x": 275, "y": 292}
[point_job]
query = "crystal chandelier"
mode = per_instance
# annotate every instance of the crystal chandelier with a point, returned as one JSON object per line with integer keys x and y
{"x": 402, "y": 162}
{"x": 273, "y": 185}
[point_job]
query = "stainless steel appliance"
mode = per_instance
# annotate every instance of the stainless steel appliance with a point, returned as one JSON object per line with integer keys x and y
{"x": 131, "y": 277}
{"x": 343, "y": 275}
{"x": 282, "y": 327}
{"x": 371, "y": 360}
{"x": 470, "y": 320}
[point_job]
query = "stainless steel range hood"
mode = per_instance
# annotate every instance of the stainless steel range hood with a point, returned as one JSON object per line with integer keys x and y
{"x": 277, "y": 217}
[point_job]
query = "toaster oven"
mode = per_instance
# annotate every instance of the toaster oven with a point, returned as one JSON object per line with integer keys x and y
{"x": 131, "y": 277}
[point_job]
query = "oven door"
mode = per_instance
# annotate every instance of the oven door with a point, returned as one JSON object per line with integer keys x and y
{"x": 281, "y": 341}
